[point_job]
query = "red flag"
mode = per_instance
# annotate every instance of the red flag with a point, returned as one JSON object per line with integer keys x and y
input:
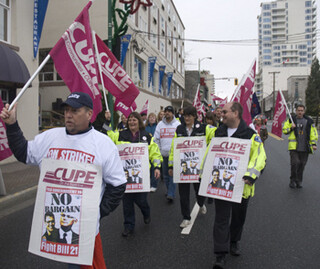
{"x": 5, "y": 151}
{"x": 145, "y": 107}
{"x": 74, "y": 59}
{"x": 119, "y": 106}
{"x": 279, "y": 116}
{"x": 244, "y": 93}
{"x": 197, "y": 103}
{"x": 115, "y": 78}
{"x": 216, "y": 98}
{"x": 223, "y": 102}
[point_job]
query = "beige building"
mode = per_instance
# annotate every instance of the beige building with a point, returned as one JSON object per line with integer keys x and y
{"x": 154, "y": 32}
{"x": 16, "y": 33}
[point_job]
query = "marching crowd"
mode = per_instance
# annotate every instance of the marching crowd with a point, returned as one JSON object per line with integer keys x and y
{"x": 159, "y": 132}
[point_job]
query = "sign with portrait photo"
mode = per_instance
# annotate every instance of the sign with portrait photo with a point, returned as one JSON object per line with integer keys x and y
{"x": 188, "y": 153}
{"x": 66, "y": 211}
{"x": 225, "y": 165}
{"x": 135, "y": 161}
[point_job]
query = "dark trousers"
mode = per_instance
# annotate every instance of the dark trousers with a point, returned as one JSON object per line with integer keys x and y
{"x": 184, "y": 192}
{"x": 225, "y": 231}
{"x": 298, "y": 161}
{"x": 128, "y": 201}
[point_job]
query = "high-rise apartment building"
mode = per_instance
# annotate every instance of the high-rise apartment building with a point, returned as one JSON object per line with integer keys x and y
{"x": 287, "y": 42}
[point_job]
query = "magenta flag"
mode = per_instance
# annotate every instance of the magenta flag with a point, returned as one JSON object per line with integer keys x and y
{"x": 119, "y": 106}
{"x": 244, "y": 93}
{"x": 5, "y": 151}
{"x": 279, "y": 116}
{"x": 197, "y": 103}
{"x": 115, "y": 78}
{"x": 145, "y": 108}
{"x": 216, "y": 98}
{"x": 223, "y": 102}
{"x": 74, "y": 59}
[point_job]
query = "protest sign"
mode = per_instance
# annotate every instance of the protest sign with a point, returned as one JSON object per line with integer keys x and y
{"x": 64, "y": 223}
{"x": 187, "y": 155}
{"x": 225, "y": 165}
{"x": 135, "y": 161}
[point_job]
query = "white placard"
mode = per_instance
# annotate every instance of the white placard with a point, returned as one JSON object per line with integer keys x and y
{"x": 224, "y": 168}
{"x": 135, "y": 161}
{"x": 188, "y": 153}
{"x": 66, "y": 211}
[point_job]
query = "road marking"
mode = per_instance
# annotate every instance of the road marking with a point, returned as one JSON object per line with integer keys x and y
{"x": 194, "y": 214}
{"x": 275, "y": 136}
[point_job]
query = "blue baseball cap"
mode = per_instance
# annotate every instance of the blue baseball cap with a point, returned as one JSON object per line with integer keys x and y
{"x": 78, "y": 99}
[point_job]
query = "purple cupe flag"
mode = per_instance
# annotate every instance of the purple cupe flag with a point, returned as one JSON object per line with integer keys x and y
{"x": 243, "y": 93}
{"x": 5, "y": 151}
{"x": 125, "y": 110}
{"x": 145, "y": 107}
{"x": 74, "y": 59}
{"x": 279, "y": 116}
{"x": 115, "y": 78}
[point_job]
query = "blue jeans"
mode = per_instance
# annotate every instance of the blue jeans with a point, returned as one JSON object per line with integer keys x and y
{"x": 153, "y": 180}
{"x": 171, "y": 187}
{"x": 128, "y": 201}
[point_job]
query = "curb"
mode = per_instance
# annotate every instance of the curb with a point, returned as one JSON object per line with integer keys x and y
{"x": 17, "y": 197}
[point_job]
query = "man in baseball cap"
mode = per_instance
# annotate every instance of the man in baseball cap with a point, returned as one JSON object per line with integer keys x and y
{"x": 169, "y": 108}
{"x": 77, "y": 112}
{"x": 78, "y": 99}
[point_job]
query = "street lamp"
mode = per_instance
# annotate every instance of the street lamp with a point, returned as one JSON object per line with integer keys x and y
{"x": 199, "y": 61}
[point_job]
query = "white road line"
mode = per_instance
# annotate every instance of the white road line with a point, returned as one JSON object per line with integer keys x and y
{"x": 194, "y": 214}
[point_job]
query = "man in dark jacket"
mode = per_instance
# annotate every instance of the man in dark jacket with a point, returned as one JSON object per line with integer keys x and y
{"x": 226, "y": 234}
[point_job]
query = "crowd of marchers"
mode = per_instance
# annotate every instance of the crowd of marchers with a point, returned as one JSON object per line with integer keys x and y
{"x": 159, "y": 132}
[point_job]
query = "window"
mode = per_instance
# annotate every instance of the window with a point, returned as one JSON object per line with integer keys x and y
{"x": 266, "y": 20}
{"x": 267, "y": 51}
{"x": 48, "y": 72}
{"x": 138, "y": 72}
{"x": 266, "y": 26}
{"x": 266, "y": 7}
{"x": 162, "y": 47}
{"x": 308, "y": 4}
{"x": 308, "y": 17}
{"x": 308, "y": 11}
{"x": 4, "y": 20}
{"x": 267, "y": 57}
{"x": 267, "y": 32}
{"x": 4, "y": 93}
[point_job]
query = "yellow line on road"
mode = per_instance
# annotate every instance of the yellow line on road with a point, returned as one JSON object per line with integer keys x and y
{"x": 275, "y": 136}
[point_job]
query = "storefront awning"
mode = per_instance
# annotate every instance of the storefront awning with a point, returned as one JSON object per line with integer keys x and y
{"x": 13, "y": 71}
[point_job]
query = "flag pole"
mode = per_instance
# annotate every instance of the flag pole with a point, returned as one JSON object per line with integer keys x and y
{"x": 29, "y": 82}
{"x": 285, "y": 103}
{"x": 100, "y": 70}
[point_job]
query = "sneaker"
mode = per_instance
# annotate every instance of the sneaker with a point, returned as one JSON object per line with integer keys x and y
{"x": 147, "y": 220}
{"x": 127, "y": 232}
{"x": 292, "y": 185}
{"x": 299, "y": 186}
{"x": 220, "y": 261}
{"x": 185, "y": 223}
{"x": 169, "y": 198}
{"x": 153, "y": 189}
{"x": 234, "y": 249}
{"x": 203, "y": 210}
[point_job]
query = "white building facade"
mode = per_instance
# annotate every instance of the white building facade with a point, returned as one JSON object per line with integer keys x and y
{"x": 155, "y": 32}
{"x": 287, "y": 43}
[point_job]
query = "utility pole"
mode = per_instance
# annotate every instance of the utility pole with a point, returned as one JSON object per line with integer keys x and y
{"x": 274, "y": 90}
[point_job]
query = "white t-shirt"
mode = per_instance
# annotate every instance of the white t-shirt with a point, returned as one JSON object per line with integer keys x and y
{"x": 90, "y": 147}
{"x": 231, "y": 131}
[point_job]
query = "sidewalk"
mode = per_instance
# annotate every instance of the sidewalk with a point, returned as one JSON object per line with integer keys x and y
{"x": 20, "y": 181}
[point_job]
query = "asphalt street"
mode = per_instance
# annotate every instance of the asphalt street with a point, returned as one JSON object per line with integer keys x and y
{"x": 281, "y": 231}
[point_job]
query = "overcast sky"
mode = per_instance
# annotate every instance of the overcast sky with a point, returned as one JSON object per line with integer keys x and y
{"x": 221, "y": 20}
